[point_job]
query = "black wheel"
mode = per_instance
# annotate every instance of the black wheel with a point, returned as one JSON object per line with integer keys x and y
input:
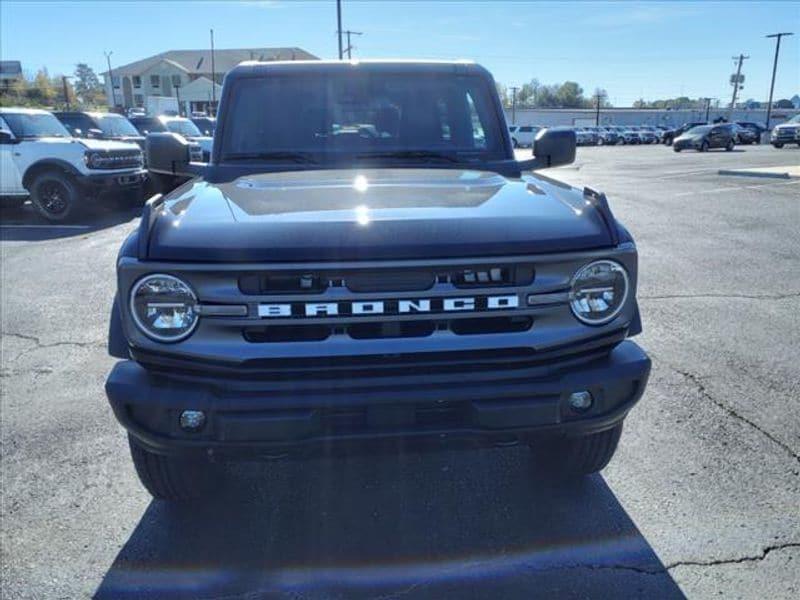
{"x": 576, "y": 456}
{"x": 55, "y": 196}
{"x": 778, "y": 145}
{"x": 676, "y": 149}
{"x": 729, "y": 146}
{"x": 703, "y": 147}
{"x": 172, "y": 478}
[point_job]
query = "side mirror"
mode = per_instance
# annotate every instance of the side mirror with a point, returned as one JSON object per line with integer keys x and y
{"x": 95, "y": 133}
{"x": 6, "y": 137}
{"x": 168, "y": 154}
{"x": 553, "y": 148}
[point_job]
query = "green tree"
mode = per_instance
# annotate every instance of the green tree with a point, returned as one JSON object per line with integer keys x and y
{"x": 502, "y": 91}
{"x": 87, "y": 85}
{"x": 42, "y": 91}
{"x": 570, "y": 95}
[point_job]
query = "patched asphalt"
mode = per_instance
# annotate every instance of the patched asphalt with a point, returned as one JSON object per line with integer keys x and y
{"x": 702, "y": 498}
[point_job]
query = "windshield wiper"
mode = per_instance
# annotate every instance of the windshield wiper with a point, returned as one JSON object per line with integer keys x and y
{"x": 422, "y": 154}
{"x": 298, "y": 157}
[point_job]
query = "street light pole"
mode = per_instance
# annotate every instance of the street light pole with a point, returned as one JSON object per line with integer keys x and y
{"x": 778, "y": 37}
{"x": 339, "y": 26}
{"x": 111, "y": 79}
{"x": 213, "y": 78}
{"x": 514, "y": 104}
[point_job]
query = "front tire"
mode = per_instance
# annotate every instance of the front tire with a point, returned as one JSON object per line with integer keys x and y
{"x": 729, "y": 146}
{"x": 176, "y": 479}
{"x": 778, "y": 145}
{"x": 55, "y": 196}
{"x": 703, "y": 147}
{"x": 577, "y": 456}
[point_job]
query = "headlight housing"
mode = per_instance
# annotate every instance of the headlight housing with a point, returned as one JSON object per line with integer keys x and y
{"x": 94, "y": 160}
{"x": 164, "y": 308}
{"x": 599, "y": 291}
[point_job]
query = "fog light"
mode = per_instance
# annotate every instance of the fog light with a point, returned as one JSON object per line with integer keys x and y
{"x": 580, "y": 401}
{"x": 192, "y": 420}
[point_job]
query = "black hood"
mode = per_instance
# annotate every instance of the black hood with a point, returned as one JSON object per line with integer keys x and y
{"x": 373, "y": 214}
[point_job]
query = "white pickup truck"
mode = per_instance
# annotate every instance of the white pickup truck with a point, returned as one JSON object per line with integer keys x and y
{"x": 61, "y": 174}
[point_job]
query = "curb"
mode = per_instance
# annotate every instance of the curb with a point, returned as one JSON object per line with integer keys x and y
{"x": 754, "y": 174}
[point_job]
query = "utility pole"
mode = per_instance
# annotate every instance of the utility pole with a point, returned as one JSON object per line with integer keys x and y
{"x": 349, "y": 45}
{"x": 737, "y": 83}
{"x": 598, "y": 96}
{"x": 111, "y": 79}
{"x": 708, "y": 107}
{"x": 778, "y": 37}
{"x": 213, "y": 79}
{"x": 339, "y": 26}
{"x": 178, "y": 98}
{"x": 66, "y": 90}
{"x": 514, "y": 89}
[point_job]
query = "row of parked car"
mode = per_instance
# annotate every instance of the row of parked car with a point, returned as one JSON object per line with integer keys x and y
{"x": 60, "y": 159}
{"x": 742, "y": 132}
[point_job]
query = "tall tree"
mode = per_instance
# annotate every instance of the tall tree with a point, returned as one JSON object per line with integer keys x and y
{"x": 42, "y": 90}
{"x": 87, "y": 85}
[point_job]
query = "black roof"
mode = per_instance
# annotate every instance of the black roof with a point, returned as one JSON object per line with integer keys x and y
{"x": 256, "y": 69}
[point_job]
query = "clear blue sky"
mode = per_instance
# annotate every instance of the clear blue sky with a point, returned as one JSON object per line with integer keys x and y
{"x": 631, "y": 49}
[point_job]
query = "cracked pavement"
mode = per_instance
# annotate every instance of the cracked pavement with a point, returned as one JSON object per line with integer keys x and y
{"x": 702, "y": 498}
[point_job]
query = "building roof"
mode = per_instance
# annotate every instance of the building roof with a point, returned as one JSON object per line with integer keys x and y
{"x": 199, "y": 61}
{"x": 10, "y": 68}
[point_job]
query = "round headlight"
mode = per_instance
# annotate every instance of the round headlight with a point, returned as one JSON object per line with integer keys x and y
{"x": 599, "y": 291}
{"x": 93, "y": 160}
{"x": 164, "y": 307}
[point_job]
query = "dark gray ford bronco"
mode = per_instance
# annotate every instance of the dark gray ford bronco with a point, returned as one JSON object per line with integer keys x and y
{"x": 362, "y": 264}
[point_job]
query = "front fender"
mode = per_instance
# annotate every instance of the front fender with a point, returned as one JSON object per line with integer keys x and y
{"x": 117, "y": 342}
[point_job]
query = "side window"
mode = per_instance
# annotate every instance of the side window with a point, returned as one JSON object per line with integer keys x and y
{"x": 526, "y": 129}
{"x": 137, "y": 81}
{"x": 155, "y": 81}
{"x": 478, "y": 135}
{"x": 4, "y": 127}
{"x": 176, "y": 80}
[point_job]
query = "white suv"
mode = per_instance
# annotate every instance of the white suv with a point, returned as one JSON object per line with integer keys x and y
{"x": 40, "y": 159}
{"x": 523, "y": 135}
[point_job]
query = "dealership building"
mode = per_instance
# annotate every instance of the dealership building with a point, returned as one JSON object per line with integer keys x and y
{"x": 192, "y": 77}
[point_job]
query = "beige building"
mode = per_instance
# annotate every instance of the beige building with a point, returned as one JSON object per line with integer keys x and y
{"x": 185, "y": 75}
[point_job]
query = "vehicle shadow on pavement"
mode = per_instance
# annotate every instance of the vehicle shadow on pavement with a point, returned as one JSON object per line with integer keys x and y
{"x": 449, "y": 525}
{"x": 23, "y": 224}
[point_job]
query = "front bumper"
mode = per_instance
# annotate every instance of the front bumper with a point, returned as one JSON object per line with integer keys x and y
{"x": 279, "y": 416}
{"x": 115, "y": 180}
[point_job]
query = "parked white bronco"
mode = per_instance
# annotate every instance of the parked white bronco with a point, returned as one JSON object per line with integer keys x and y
{"x": 61, "y": 174}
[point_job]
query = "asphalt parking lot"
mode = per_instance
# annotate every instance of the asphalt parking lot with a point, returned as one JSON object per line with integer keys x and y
{"x": 702, "y": 499}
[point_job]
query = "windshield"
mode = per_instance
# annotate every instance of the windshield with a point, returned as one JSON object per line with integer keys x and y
{"x": 183, "y": 127}
{"x": 148, "y": 125}
{"x": 27, "y": 125}
{"x": 205, "y": 125}
{"x": 699, "y": 130}
{"x": 367, "y": 114}
{"x": 116, "y": 126}
{"x": 794, "y": 119}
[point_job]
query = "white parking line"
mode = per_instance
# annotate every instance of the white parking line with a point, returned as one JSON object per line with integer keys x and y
{"x": 735, "y": 189}
{"x": 3, "y": 226}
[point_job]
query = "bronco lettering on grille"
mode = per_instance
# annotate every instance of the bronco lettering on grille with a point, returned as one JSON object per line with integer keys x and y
{"x": 388, "y": 307}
